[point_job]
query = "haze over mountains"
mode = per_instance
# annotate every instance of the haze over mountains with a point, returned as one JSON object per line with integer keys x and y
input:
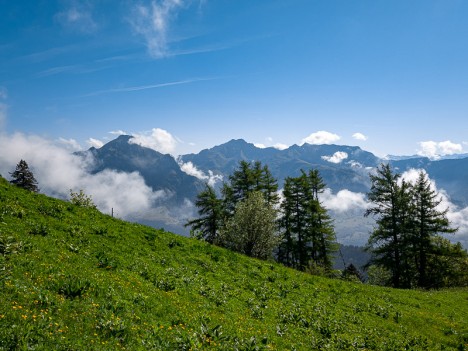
{"x": 345, "y": 170}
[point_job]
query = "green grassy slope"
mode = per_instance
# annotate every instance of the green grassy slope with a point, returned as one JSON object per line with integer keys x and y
{"x": 74, "y": 279}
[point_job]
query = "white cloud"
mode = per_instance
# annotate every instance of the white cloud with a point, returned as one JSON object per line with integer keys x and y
{"x": 57, "y": 171}
{"x": 118, "y": 132}
{"x": 321, "y": 137}
{"x": 359, "y": 136}
{"x": 344, "y": 201}
{"x": 70, "y": 144}
{"x": 191, "y": 169}
{"x": 269, "y": 143}
{"x": 77, "y": 17}
{"x": 94, "y": 143}
{"x": 337, "y": 157}
{"x": 157, "y": 139}
{"x": 280, "y": 146}
{"x": 153, "y": 23}
{"x": 435, "y": 150}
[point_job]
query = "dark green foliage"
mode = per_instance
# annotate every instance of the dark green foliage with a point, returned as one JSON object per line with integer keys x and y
{"x": 211, "y": 215}
{"x": 352, "y": 273}
{"x": 407, "y": 239}
{"x": 218, "y": 215}
{"x": 391, "y": 203}
{"x": 246, "y": 179}
{"x": 23, "y": 177}
{"x": 427, "y": 223}
{"x": 308, "y": 235}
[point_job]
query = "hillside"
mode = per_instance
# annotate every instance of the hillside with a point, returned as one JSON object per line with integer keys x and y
{"x": 72, "y": 278}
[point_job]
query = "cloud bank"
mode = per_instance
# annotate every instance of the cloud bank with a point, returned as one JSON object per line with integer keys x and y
{"x": 321, "y": 137}
{"x": 434, "y": 150}
{"x": 344, "y": 201}
{"x": 57, "y": 171}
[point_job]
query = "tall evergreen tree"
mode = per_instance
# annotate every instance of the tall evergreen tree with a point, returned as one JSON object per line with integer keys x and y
{"x": 210, "y": 211}
{"x": 308, "y": 233}
{"x": 390, "y": 203}
{"x": 23, "y": 177}
{"x": 427, "y": 222}
{"x": 246, "y": 179}
{"x": 292, "y": 250}
{"x": 406, "y": 240}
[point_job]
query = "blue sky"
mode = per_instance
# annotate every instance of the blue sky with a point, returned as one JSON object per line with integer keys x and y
{"x": 186, "y": 75}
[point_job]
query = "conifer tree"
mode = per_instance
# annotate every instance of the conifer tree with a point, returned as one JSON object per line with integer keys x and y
{"x": 427, "y": 222}
{"x": 390, "y": 203}
{"x": 406, "y": 240}
{"x": 210, "y": 211}
{"x": 308, "y": 233}
{"x": 23, "y": 177}
{"x": 246, "y": 179}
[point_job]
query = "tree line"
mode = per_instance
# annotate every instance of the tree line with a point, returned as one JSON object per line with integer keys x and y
{"x": 407, "y": 244}
{"x": 408, "y": 241}
{"x": 250, "y": 218}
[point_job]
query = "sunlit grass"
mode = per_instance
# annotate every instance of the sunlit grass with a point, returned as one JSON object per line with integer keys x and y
{"x": 72, "y": 278}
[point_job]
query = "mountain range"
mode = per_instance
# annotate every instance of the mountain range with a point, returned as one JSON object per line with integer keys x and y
{"x": 345, "y": 170}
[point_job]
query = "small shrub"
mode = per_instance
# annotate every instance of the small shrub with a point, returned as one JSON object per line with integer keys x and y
{"x": 72, "y": 287}
{"x": 81, "y": 199}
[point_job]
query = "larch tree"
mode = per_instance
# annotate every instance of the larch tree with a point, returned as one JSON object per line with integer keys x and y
{"x": 428, "y": 222}
{"x": 389, "y": 205}
{"x": 308, "y": 236}
{"x": 210, "y": 213}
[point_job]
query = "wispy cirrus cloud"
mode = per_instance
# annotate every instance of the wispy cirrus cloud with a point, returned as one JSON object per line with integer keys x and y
{"x": 149, "y": 86}
{"x": 78, "y": 17}
{"x": 152, "y": 22}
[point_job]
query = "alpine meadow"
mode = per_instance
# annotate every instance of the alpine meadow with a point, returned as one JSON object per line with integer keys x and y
{"x": 73, "y": 278}
{"x": 233, "y": 175}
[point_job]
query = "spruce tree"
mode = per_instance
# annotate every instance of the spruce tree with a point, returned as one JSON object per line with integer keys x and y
{"x": 23, "y": 177}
